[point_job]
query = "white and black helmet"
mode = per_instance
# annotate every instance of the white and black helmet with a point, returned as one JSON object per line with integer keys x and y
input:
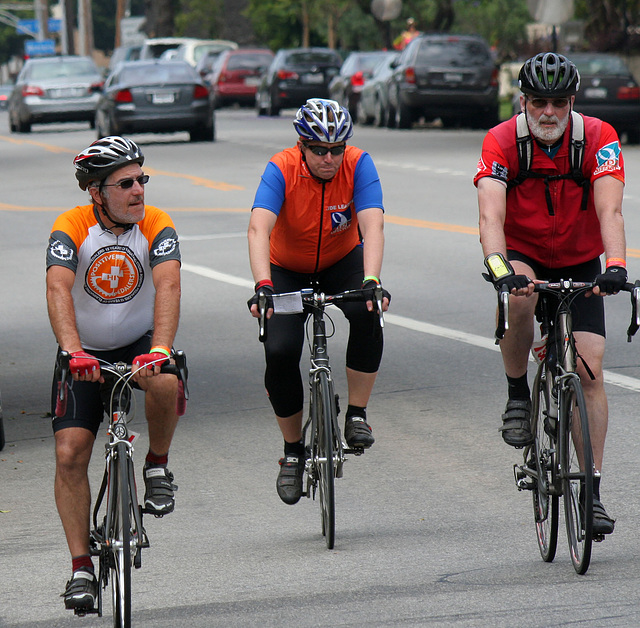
{"x": 323, "y": 120}
{"x": 105, "y": 156}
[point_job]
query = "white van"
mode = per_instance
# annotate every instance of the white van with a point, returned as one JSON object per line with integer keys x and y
{"x": 186, "y": 49}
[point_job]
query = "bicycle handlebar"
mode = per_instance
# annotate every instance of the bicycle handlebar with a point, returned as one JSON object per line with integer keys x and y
{"x": 307, "y": 298}
{"x": 120, "y": 370}
{"x": 568, "y": 286}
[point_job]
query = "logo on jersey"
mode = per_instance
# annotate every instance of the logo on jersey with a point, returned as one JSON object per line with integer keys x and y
{"x": 608, "y": 158}
{"x": 115, "y": 275}
{"x": 340, "y": 220}
{"x": 61, "y": 251}
{"x": 166, "y": 247}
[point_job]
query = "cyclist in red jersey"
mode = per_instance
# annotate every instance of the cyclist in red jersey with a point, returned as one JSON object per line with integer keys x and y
{"x": 318, "y": 217}
{"x": 113, "y": 292}
{"x": 550, "y": 225}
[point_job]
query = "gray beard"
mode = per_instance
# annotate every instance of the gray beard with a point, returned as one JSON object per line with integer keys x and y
{"x": 546, "y": 134}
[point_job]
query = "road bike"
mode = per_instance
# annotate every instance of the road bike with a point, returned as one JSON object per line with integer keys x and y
{"x": 118, "y": 536}
{"x": 326, "y": 450}
{"x": 559, "y": 463}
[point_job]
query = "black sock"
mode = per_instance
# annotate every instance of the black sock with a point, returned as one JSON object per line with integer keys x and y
{"x": 356, "y": 411}
{"x": 518, "y": 388}
{"x": 294, "y": 449}
{"x": 596, "y": 487}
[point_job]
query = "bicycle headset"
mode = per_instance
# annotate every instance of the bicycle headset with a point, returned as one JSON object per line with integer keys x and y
{"x": 101, "y": 158}
{"x": 550, "y": 75}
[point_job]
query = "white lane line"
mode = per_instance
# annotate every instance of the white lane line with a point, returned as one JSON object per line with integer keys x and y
{"x": 622, "y": 381}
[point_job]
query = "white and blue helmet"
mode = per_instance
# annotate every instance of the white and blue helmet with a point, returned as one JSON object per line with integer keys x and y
{"x": 323, "y": 120}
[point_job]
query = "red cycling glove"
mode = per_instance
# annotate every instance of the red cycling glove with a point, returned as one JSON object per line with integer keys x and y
{"x": 149, "y": 360}
{"x": 83, "y": 363}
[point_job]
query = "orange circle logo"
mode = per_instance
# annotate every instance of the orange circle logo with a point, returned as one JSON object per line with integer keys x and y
{"x": 114, "y": 275}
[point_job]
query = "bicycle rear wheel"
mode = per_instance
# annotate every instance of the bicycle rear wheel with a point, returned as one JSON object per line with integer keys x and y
{"x": 577, "y": 476}
{"x": 325, "y": 408}
{"x": 545, "y": 504}
{"x": 119, "y": 537}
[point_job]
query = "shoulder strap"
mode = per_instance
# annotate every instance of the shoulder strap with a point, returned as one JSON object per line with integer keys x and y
{"x": 524, "y": 145}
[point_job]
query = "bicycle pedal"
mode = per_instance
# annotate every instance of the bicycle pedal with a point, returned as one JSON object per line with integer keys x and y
{"x": 598, "y": 538}
{"x": 356, "y": 451}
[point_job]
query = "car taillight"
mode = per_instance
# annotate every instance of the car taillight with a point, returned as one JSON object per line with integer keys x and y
{"x": 124, "y": 95}
{"x": 495, "y": 76}
{"x": 628, "y": 92}
{"x": 200, "y": 92}
{"x": 96, "y": 87}
{"x": 410, "y": 75}
{"x": 357, "y": 79}
{"x": 283, "y": 75}
{"x": 32, "y": 90}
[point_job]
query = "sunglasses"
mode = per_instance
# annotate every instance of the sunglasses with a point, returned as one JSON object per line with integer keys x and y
{"x": 125, "y": 184}
{"x": 541, "y": 103}
{"x": 321, "y": 151}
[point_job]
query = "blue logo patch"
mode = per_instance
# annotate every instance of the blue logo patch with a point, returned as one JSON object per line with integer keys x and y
{"x": 340, "y": 220}
{"x": 608, "y": 154}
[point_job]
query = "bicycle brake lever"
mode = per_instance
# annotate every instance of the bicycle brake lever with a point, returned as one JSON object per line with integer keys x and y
{"x": 180, "y": 358}
{"x": 503, "y": 314}
{"x": 262, "y": 310}
{"x": 377, "y": 292}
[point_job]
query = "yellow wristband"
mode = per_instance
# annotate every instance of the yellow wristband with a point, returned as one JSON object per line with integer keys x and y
{"x": 164, "y": 350}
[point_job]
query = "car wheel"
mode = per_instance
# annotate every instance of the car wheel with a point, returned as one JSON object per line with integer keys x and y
{"x": 379, "y": 118}
{"x": 24, "y": 127}
{"x": 361, "y": 116}
{"x": 404, "y": 116}
{"x": 633, "y": 136}
{"x": 12, "y": 127}
{"x": 391, "y": 117}
{"x": 272, "y": 109}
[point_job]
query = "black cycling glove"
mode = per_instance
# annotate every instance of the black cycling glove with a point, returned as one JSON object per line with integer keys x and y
{"x": 501, "y": 273}
{"x": 612, "y": 280}
{"x": 265, "y": 289}
{"x": 372, "y": 284}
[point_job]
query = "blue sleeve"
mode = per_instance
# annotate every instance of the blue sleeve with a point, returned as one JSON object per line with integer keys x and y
{"x": 270, "y": 192}
{"x": 367, "y": 191}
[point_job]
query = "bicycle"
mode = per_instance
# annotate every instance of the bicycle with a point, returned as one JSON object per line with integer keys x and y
{"x": 119, "y": 537}
{"x": 326, "y": 451}
{"x": 559, "y": 463}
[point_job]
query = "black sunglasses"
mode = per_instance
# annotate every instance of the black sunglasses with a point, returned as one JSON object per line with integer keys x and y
{"x": 125, "y": 184}
{"x": 321, "y": 151}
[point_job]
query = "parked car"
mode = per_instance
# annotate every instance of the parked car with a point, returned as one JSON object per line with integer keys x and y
{"x": 124, "y": 53}
{"x": 155, "y": 96}
{"x": 451, "y": 77}
{"x": 5, "y": 91}
{"x": 294, "y": 76}
{"x": 206, "y": 63}
{"x": 346, "y": 86}
{"x": 235, "y": 76}
{"x": 54, "y": 89}
{"x": 373, "y": 104}
{"x": 187, "y": 49}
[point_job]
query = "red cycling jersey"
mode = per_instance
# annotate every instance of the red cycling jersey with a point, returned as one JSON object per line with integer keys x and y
{"x": 572, "y": 235}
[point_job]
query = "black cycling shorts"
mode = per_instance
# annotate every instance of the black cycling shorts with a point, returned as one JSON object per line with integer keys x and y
{"x": 84, "y": 399}
{"x": 587, "y": 312}
{"x": 285, "y": 338}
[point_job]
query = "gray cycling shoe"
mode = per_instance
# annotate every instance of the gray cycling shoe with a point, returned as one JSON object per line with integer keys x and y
{"x": 81, "y": 591}
{"x": 516, "y": 423}
{"x": 289, "y": 482}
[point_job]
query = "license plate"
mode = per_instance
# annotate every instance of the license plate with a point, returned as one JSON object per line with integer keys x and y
{"x": 595, "y": 92}
{"x": 453, "y": 77}
{"x": 252, "y": 81}
{"x": 162, "y": 99}
{"x": 313, "y": 78}
{"x": 67, "y": 92}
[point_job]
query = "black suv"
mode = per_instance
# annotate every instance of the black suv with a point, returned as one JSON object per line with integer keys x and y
{"x": 451, "y": 77}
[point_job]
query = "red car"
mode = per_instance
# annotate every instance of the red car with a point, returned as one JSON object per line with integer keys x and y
{"x": 236, "y": 74}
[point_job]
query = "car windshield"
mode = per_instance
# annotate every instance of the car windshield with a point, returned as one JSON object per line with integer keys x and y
{"x": 55, "y": 69}
{"x": 248, "y": 61}
{"x": 610, "y": 66}
{"x": 312, "y": 58}
{"x": 156, "y": 74}
{"x": 453, "y": 53}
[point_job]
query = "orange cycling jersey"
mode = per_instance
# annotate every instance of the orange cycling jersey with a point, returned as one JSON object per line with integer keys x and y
{"x": 113, "y": 292}
{"x": 317, "y": 221}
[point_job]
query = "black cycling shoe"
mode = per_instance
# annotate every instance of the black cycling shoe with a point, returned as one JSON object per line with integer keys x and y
{"x": 357, "y": 433}
{"x": 289, "y": 482}
{"x": 81, "y": 591}
{"x": 602, "y": 523}
{"x": 516, "y": 423}
{"x": 159, "y": 488}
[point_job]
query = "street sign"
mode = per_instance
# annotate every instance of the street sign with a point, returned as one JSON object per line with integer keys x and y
{"x": 32, "y": 27}
{"x": 33, "y": 48}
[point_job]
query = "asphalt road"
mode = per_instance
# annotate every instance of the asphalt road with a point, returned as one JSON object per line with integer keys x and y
{"x": 431, "y": 530}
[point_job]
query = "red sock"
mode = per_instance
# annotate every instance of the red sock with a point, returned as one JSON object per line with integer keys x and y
{"x": 82, "y": 562}
{"x": 156, "y": 460}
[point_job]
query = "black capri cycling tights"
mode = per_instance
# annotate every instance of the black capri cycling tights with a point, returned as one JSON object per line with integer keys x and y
{"x": 283, "y": 348}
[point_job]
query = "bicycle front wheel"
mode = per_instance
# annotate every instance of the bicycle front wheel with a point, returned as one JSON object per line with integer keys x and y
{"x": 119, "y": 537}
{"x": 543, "y": 452}
{"x": 325, "y": 408}
{"x": 577, "y": 475}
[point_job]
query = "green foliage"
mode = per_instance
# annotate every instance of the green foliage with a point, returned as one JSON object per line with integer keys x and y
{"x": 200, "y": 18}
{"x": 276, "y": 22}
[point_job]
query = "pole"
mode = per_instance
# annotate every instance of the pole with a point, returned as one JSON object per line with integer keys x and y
{"x": 120, "y": 12}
